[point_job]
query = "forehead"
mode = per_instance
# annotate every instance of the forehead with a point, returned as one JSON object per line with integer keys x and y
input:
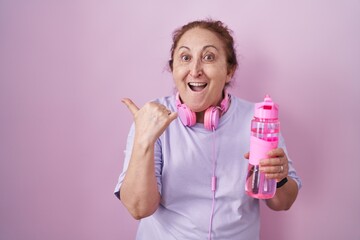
{"x": 199, "y": 37}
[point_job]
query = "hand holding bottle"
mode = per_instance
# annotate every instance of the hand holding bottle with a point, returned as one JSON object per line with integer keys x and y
{"x": 274, "y": 167}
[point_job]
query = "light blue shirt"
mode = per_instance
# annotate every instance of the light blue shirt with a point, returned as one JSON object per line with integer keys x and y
{"x": 184, "y": 166}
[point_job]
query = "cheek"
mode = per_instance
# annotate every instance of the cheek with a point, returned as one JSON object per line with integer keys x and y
{"x": 179, "y": 73}
{"x": 217, "y": 72}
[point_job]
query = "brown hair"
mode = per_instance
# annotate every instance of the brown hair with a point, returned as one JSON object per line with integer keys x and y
{"x": 217, "y": 27}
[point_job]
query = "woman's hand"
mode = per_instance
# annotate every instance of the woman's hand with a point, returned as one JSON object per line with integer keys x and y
{"x": 139, "y": 191}
{"x": 151, "y": 120}
{"x": 276, "y": 166}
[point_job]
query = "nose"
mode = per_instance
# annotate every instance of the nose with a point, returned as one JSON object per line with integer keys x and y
{"x": 196, "y": 68}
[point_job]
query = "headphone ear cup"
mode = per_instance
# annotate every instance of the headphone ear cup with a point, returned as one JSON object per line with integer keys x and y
{"x": 187, "y": 117}
{"x": 211, "y": 115}
{"x": 211, "y": 118}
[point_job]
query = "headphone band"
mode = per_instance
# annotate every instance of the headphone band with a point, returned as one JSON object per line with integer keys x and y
{"x": 224, "y": 105}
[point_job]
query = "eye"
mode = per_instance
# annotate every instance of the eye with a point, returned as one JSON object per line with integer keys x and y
{"x": 185, "y": 58}
{"x": 209, "y": 57}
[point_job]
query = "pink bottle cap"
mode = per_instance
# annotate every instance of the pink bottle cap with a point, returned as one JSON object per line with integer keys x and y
{"x": 266, "y": 109}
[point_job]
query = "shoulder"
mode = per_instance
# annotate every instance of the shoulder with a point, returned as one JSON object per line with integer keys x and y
{"x": 242, "y": 105}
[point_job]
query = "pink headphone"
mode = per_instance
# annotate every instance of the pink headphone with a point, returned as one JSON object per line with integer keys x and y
{"x": 212, "y": 114}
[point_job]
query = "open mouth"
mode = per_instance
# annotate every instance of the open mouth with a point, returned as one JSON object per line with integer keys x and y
{"x": 196, "y": 86}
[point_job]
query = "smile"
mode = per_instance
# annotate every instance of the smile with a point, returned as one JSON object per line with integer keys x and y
{"x": 197, "y": 86}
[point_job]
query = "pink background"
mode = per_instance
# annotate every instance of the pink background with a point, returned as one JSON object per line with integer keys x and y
{"x": 65, "y": 66}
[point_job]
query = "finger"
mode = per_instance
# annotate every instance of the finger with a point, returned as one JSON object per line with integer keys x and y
{"x": 271, "y": 162}
{"x": 277, "y": 176}
{"x": 131, "y": 105}
{"x": 273, "y": 169}
{"x": 277, "y": 152}
{"x": 247, "y": 155}
{"x": 172, "y": 116}
{"x": 277, "y": 172}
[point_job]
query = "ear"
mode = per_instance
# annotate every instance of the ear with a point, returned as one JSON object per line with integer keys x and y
{"x": 230, "y": 74}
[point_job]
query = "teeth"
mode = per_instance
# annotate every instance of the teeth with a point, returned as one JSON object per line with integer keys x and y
{"x": 197, "y": 84}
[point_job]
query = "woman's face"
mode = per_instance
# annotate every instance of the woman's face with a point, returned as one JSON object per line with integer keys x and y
{"x": 199, "y": 69}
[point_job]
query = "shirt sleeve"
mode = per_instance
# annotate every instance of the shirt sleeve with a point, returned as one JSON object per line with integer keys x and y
{"x": 127, "y": 153}
{"x": 292, "y": 172}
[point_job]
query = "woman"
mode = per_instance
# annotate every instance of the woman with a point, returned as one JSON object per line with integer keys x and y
{"x": 179, "y": 145}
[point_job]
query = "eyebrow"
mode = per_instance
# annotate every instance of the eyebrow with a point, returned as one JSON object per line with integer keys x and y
{"x": 210, "y": 46}
{"x": 206, "y": 46}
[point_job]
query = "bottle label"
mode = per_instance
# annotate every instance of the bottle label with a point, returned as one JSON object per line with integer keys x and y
{"x": 259, "y": 149}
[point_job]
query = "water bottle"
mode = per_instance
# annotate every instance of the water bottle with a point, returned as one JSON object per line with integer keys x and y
{"x": 265, "y": 128}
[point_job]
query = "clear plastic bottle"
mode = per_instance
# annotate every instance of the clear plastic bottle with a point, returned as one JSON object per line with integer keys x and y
{"x": 265, "y": 129}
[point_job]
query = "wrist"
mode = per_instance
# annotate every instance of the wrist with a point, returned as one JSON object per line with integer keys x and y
{"x": 281, "y": 182}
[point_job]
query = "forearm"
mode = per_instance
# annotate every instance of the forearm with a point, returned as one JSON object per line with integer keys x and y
{"x": 285, "y": 196}
{"x": 139, "y": 192}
